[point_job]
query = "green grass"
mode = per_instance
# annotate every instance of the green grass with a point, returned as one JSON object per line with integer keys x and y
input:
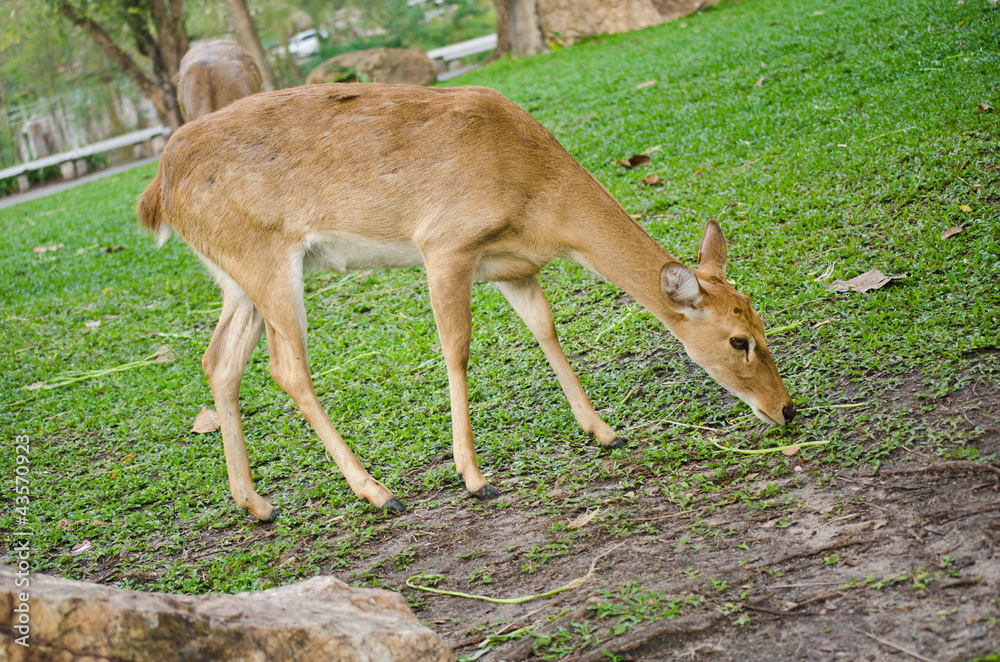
{"x": 818, "y": 133}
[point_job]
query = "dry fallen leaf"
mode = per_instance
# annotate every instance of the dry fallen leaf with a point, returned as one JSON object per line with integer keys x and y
{"x": 985, "y": 107}
{"x": 47, "y": 249}
{"x": 870, "y": 280}
{"x": 646, "y": 84}
{"x": 206, "y": 421}
{"x": 951, "y": 232}
{"x": 583, "y": 520}
{"x": 652, "y": 180}
{"x": 635, "y": 161}
{"x": 966, "y": 208}
{"x": 113, "y": 249}
{"x": 791, "y": 450}
{"x": 130, "y": 456}
{"x": 760, "y": 82}
{"x": 92, "y": 324}
{"x": 878, "y": 524}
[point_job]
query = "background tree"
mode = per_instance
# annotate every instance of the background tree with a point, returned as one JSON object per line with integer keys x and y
{"x": 58, "y": 90}
{"x": 155, "y": 29}
{"x": 246, "y": 34}
{"x": 519, "y": 30}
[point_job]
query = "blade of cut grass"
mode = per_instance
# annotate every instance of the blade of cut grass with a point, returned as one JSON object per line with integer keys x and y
{"x": 781, "y": 329}
{"x": 764, "y": 451}
{"x": 576, "y": 583}
{"x": 77, "y": 376}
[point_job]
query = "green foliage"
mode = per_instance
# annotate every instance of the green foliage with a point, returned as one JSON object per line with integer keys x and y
{"x": 629, "y": 605}
{"x": 401, "y": 25}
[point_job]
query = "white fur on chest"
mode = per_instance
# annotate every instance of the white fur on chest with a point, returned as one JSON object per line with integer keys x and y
{"x": 347, "y": 253}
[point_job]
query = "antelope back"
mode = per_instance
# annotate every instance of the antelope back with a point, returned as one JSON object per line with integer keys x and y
{"x": 213, "y": 75}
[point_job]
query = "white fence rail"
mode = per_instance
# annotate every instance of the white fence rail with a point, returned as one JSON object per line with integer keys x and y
{"x": 126, "y": 140}
{"x": 462, "y": 49}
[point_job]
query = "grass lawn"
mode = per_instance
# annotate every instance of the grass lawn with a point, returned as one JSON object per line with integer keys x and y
{"x": 828, "y": 138}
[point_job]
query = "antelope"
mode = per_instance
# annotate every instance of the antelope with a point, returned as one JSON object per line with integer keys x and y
{"x": 461, "y": 181}
{"x": 213, "y": 75}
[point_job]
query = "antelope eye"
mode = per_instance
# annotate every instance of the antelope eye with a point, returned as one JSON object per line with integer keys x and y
{"x": 738, "y": 343}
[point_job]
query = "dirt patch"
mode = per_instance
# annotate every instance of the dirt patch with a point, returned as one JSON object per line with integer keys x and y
{"x": 825, "y": 564}
{"x": 909, "y": 558}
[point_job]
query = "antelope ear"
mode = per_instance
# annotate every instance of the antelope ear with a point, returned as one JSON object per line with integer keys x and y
{"x": 680, "y": 286}
{"x": 712, "y": 251}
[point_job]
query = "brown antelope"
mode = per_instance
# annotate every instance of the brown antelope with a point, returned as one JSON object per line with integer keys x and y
{"x": 213, "y": 75}
{"x": 462, "y": 181}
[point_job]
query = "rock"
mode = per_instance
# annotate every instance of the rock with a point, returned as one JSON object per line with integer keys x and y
{"x": 318, "y": 619}
{"x": 569, "y": 20}
{"x": 380, "y": 65}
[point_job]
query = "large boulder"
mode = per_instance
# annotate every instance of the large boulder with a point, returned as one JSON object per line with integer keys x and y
{"x": 318, "y": 619}
{"x": 380, "y": 65}
{"x": 569, "y": 20}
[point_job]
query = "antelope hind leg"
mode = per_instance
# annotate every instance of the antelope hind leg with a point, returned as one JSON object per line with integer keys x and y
{"x": 237, "y": 333}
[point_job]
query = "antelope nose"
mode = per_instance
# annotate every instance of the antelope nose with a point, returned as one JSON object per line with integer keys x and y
{"x": 789, "y": 412}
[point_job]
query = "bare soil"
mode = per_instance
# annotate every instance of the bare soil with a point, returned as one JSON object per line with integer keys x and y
{"x": 903, "y": 564}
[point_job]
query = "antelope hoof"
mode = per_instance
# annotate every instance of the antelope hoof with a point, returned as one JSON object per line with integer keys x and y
{"x": 486, "y": 492}
{"x": 618, "y": 442}
{"x": 395, "y": 505}
{"x": 273, "y": 515}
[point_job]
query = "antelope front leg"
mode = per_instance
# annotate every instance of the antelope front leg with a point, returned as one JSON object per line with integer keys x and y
{"x": 237, "y": 333}
{"x": 450, "y": 283}
{"x": 527, "y": 298}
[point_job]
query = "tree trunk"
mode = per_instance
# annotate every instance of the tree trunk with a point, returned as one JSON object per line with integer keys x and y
{"x": 164, "y": 54}
{"x": 246, "y": 34}
{"x": 171, "y": 37}
{"x": 519, "y": 30}
{"x": 503, "y": 30}
{"x": 525, "y": 28}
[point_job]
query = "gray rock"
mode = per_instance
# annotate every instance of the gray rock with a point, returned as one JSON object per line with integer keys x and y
{"x": 380, "y": 65}
{"x": 318, "y": 619}
{"x": 569, "y": 20}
